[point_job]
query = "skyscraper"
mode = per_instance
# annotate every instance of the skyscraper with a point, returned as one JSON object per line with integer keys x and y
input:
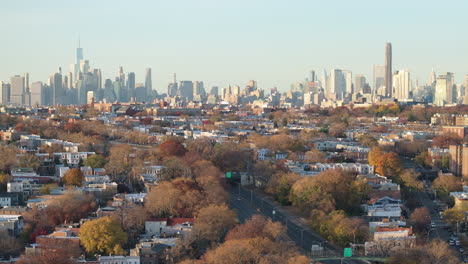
{"x": 57, "y": 90}
{"x": 359, "y": 83}
{"x": 432, "y": 77}
{"x": 148, "y": 82}
{"x": 348, "y": 75}
{"x": 401, "y": 85}
{"x": 214, "y": 90}
{"x": 379, "y": 77}
{"x": 4, "y": 93}
{"x": 17, "y": 90}
{"x": 388, "y": 70}
{"x": 336, "y": 84}
{"x": 186, "y": 89}
{"x": 465, "y": 100}
{"x": 131, "y": 84}
{"x": 36, "y": 93}
{"x": 444, "y": 89}
{"x": 79, "y": 53}
{"x": 172, "y": 88}
{"x": 312, "y": 76}
{"x": 199, "y": 89}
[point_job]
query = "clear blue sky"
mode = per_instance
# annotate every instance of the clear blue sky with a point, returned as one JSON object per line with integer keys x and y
{"x": 275, "y": 42}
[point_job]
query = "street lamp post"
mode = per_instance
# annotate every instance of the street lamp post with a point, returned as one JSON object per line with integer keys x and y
{"x": 274, "y": 213}
{"x": 320, "y": 246}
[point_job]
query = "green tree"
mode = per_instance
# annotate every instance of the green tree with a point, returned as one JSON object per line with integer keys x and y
{"x": 103, "y": 236}
{"x": 95, "y": 161}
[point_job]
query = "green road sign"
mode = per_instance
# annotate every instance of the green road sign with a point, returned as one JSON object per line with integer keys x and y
{"x": 228, "y": 175}
{"x": 348, "y": 252}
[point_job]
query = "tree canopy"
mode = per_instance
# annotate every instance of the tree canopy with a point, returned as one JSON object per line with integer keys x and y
{"x": 103, "y": 236}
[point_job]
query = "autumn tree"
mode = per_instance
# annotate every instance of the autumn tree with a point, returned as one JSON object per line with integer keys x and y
{"x": 103, "y": 236}
{"x": 386, "y": 163}
{"x": 183, "y": 197}
{"x": 454, "y": 215}
{"x": 436, "y": 252}
{"x": 213, "y": 222}
{"x": 73, "y": 177}
{"x": 447, "y": 183}
{"x": 315, "y": 156}
{"x": 368, "y": 140}
{"x": 257, "y": 226}
{"x": 9, "y": 245}
{"x": 171, "y": 148}
{"x": 255, "y": 241}
{"x": 280, "y": 186}
{"x": 95, "y": 161}
{"x": 132, "y": 220}
{"x": 28, "y": 161}
{"x": 4, "y": 180}
{"x": 57, "y": 256}
{"x": 119, "y": 159}
{"x": 330, "y": 190}
{"x": 339, "y": 228}
{"x": 446, "y": 139}
{"x": 231, "y": 157}
{"x": 420, "y": 219}
{"x": 410, "y": 179}
{"x": 423, "y": 159}
{"x": 70, "y": 207}
{"x": 7, "y": 159}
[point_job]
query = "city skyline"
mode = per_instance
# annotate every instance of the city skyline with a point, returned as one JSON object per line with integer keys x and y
{"x": 208, "y": 41}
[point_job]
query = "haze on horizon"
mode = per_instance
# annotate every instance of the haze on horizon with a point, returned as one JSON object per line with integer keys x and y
{"x": 230, "y": 42}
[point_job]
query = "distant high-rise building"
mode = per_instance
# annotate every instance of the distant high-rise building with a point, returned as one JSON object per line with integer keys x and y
{"x": 17, "y": 90}
{"x": 90, "y": 98}
{"x": 36, "y": 93}
{"x": 324, "y": 80}
{"x": 172, "y": 87}
{"x": 26, "y": 82}
{"x": 432, "y": 77}
{"x": 388, "y": 70}
{"x": 359, "y": 83}
{"x": 84, "y": 66}
{"x": 148, "y": 82}
{"x": 57, "y": 91}
{"x": 131, "y": 84}
{"x": 444, "y": 89}
{"x": 118, "y": 90}
{"x": 214, "y": 90}
{"x": 79, "y": 53}
{"x": 186, "y": 89}
{"x": 4, "y": 93}
{"x": 401, "y": 85}
{"x": 312, "y": 76}
{"x": 98, "y": 74}
{"x": 379, "y": 77}
{"x": 198, "y": 89}
{"x": 336, "y": 84}
{"x": 348, "y": 75}
{"x": 465, "y": 100}
{"x": 70, "y": 81}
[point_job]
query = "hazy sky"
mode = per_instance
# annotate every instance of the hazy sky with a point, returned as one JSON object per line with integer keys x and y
{"x": 275, "y": 42}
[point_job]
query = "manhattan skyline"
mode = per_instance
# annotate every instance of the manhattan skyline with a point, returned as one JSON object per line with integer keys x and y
{"x": 272, "y": 42}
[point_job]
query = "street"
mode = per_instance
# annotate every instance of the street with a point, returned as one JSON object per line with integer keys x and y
{"x": 248, "y": 203}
